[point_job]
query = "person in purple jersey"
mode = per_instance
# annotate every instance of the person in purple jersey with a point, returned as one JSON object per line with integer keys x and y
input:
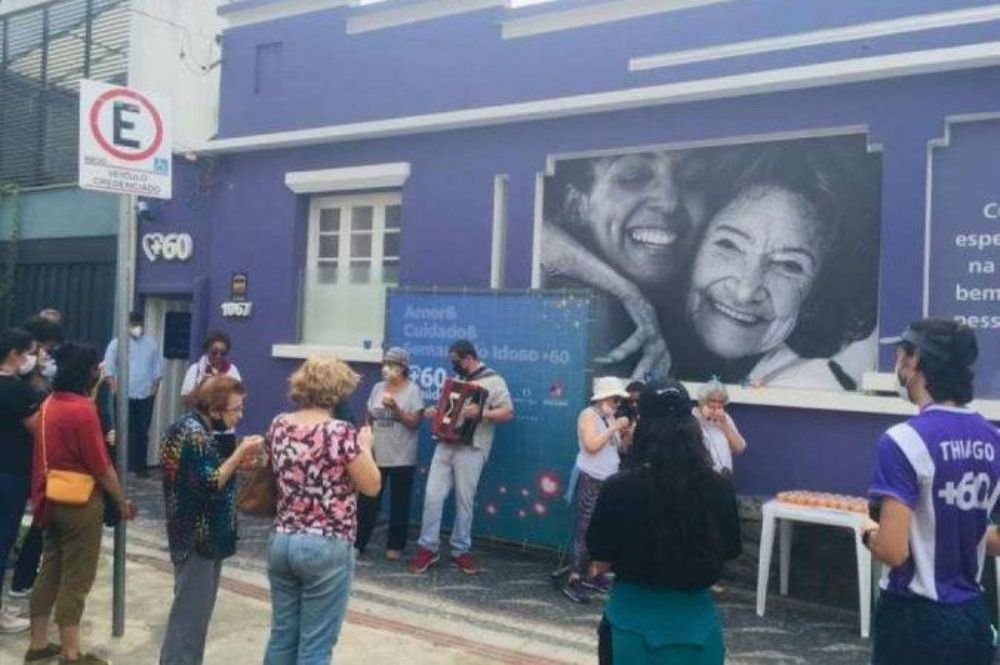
{"x": 937, "y": 479}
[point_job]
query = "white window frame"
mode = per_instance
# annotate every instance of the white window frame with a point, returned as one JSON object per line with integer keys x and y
{"x": 371, "y": 349}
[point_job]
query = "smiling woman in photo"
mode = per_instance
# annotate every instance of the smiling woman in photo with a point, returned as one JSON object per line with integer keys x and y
{"x": 624, "y": 225}
{"x": 783, "y": 279}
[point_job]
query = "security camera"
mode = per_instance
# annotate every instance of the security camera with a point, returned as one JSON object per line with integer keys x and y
{"x": 143, "y": 212}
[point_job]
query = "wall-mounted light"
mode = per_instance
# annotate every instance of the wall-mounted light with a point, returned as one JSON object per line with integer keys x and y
{"x": 143, "y": 212}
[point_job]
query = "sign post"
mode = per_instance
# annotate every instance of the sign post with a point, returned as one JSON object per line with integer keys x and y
{"x": 125, "y": 149}
{"x": 123, "y": 303}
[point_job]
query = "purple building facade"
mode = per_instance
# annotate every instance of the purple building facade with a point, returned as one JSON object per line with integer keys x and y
{"x": 432, "y": 126}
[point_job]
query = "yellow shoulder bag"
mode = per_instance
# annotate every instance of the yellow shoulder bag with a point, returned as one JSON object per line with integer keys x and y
{"x": 70, "y": 488}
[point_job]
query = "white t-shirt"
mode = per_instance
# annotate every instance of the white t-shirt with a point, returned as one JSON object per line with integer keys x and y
{"x": 196, "y": 373}
{"x": 605, "y": 462}
{"x": 716, "y": 441}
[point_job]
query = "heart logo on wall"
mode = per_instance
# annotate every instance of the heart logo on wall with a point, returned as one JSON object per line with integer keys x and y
{"x": 152, "y": 245}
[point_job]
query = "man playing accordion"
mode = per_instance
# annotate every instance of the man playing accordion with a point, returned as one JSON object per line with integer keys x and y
{"x": 458, "y": 463}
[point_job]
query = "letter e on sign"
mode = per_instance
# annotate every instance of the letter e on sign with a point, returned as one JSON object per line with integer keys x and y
{"x": 125, "y": 141}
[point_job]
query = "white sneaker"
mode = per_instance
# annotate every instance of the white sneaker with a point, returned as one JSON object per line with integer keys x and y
{"x": 18, "y": 595}
{"x": 10, "y": 622}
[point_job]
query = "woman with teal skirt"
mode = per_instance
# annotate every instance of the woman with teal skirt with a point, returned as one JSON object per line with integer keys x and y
{"x": 664, "y": 527}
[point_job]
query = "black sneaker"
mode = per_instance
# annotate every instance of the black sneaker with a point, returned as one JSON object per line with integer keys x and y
{"x": 574, "y": 591}
{"x": 45, "y": 654}
{"x": 599, "y": 584}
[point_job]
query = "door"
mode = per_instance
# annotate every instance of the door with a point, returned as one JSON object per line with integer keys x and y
{"x": 168, "y": 406}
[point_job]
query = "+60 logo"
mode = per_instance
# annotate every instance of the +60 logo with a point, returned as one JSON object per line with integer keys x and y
{"x": 972, "y": 492}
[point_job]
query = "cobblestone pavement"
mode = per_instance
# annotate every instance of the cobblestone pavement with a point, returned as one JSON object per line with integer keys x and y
{"x": 515, "y": 593}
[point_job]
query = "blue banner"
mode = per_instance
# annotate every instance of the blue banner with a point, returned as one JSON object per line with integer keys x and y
{"x": 965, "y": 241}
{"x": 538, "y": 341}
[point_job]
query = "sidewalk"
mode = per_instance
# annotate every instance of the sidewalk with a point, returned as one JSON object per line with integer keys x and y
{"x": 509, "y": 614}
{"x": 379, "y": 628}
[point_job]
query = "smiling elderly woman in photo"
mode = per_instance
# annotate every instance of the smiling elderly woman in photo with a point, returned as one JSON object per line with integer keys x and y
{"x": 784, "y": 278}
{"x": 624, "y": 225}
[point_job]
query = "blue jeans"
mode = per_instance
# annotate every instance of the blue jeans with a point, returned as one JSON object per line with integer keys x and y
{"x": 310, "y": 582}
{"x": 458, "y": 467}
{"x": 13, "y": 498}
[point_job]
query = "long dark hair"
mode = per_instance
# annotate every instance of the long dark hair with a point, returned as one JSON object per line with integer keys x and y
{"x": 671, "y": 448}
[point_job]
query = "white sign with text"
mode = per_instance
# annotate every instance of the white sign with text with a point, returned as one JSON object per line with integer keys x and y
{"x": 125, "y": 141}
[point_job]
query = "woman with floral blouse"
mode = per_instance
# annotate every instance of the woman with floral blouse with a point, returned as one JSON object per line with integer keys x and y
{"x": 320, "y": 463}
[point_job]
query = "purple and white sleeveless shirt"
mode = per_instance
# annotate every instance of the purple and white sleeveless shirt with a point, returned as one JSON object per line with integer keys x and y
{"x": 944, "y": 464}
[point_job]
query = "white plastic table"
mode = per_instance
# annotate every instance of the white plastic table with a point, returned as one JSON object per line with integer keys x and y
{"x": 786, "y": 514}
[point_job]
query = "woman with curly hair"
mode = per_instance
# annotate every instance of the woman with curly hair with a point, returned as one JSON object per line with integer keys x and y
{"x": 320, "y": 464}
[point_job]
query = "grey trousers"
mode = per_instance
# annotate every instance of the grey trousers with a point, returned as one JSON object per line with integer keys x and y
{"x": 196, "y": 583}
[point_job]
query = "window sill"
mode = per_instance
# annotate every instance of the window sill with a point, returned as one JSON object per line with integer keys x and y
{"x": 356, "y": 354}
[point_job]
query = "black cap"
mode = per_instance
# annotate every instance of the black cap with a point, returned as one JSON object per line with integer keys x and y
{"x": 944, "y": 339}
{"x": 664, "y": 398}
{"x": 634, "y": 385}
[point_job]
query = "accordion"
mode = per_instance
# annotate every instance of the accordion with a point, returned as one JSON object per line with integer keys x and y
{"x": 449, "y": 425}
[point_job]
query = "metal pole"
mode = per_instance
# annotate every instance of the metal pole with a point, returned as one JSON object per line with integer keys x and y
{"x": 126, "y": 277}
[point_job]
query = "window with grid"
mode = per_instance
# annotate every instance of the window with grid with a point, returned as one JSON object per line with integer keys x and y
{"x": 353, "y": 256}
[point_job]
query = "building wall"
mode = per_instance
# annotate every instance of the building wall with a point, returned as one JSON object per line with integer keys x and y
{"x": 175, "y": 52}
{"x": 307, "y": 71}
{"x": 258, "y": 225}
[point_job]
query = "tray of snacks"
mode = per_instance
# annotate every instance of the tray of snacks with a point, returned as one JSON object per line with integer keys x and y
{"x": 854, "y": 504}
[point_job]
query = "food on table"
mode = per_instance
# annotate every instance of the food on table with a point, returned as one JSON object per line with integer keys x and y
{"x": 854, "y": 504}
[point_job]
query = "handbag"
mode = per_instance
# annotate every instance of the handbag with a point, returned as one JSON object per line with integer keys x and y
{"x": 259, "y": 493}
{"x": 70, "y": 488}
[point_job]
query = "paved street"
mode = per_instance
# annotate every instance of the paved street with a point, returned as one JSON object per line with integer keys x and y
{"x": 515, "y": 597}
{"x": 511, "y": 613}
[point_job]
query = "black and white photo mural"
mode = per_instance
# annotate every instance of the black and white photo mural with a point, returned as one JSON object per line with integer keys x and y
{"x": 756, "y": 262}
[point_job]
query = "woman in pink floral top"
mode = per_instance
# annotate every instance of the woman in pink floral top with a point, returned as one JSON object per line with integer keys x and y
{"x": 320, "y": 464}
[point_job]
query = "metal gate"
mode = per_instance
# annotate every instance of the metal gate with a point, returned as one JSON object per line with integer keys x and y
{"x": 75, "y": 276}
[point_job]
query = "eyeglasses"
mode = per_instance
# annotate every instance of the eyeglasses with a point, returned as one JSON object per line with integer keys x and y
{"x": 218, "y": 353}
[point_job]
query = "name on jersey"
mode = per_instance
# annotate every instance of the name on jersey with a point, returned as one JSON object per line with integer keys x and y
{"x": 963, "y": 449}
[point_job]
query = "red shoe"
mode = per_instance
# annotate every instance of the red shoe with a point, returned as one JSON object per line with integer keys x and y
{"x": 424, "y": 560}
{"x": 466, "y": 563}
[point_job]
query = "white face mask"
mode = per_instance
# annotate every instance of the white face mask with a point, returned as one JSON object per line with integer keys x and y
{"x": 135, "y": 331}
{"x": 48, "y": 369}
{"x": 391, "y": 372}
{"x": 28, "y": 366}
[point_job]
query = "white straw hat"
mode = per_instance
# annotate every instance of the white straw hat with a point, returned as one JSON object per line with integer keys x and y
{"x": 608, "y": 386}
